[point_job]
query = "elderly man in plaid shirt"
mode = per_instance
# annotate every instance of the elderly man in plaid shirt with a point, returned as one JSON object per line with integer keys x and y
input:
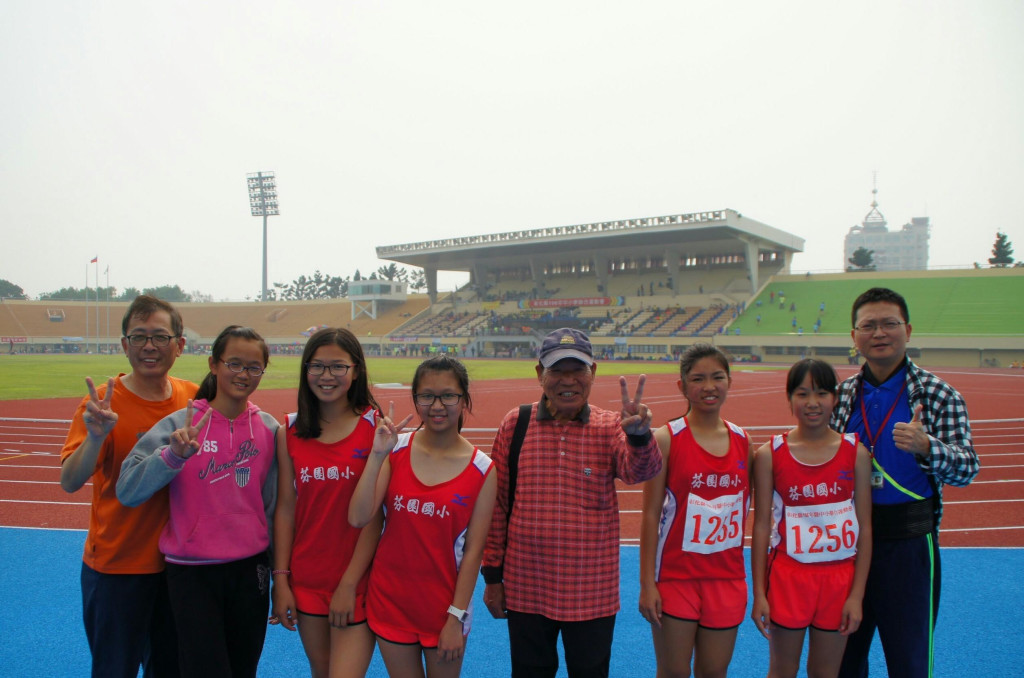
{"x": 552, "y": 567}
{"x": 915, "y": 425}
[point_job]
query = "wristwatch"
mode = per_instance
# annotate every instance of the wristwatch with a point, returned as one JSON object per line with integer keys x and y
{"x": 461, "y": 615}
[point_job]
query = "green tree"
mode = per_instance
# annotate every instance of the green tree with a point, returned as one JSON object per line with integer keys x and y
{"x": 1002, "y": 251}
{"x": 9, "y": 290}
{"x": 393, "y": 272}
{"x": 863, "y": 259}
{"x": 129, "y": 294}
{"x": 418, "y": 280}
{"x": 170, "y": 293}
{"x": 80, "y": 294}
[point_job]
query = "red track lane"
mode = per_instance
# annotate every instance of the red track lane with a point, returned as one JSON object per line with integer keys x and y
{"x": 989, "y": 512}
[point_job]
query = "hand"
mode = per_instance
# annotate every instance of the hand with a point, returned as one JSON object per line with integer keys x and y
{"x": 761, "y": 615}
{"x": 636, "y": 417}
{"x": 99, "y": 419}
{"x": 386, "y": 434}
{"x": 650, "y": 605}
{"x": 451, "y": 644}
{"x": 911, "y": 436}
{"x": 853, "y": 614}
{"x": 283, "y": 610}
{"x": 343, "y": 606}
{"x": 183, "y": 441}
{"x": 494, "y": 599}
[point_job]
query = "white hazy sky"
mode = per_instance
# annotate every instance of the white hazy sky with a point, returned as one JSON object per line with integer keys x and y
{"x": 127, "y": 128}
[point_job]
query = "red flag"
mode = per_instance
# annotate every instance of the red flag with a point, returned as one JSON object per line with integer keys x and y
{"x": 94, "y": 260}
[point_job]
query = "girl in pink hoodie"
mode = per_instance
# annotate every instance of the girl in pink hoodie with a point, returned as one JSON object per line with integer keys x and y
{"x": 218, "y": 458}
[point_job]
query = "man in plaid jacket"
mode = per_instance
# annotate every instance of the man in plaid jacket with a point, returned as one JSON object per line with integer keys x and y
{"x": 919, "y": 435}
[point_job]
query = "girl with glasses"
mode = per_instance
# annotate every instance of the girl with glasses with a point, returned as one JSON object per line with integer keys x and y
{"x": 437, "y": 491}
{"x": 217, "y": 458}
{"x": 321, "y": 563}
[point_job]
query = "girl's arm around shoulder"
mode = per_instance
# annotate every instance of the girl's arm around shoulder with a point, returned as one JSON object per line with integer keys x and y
{"x": 150, "y": 465}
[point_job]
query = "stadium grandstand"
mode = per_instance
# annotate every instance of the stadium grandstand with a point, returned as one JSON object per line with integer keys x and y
{"x": 643, "y": 288}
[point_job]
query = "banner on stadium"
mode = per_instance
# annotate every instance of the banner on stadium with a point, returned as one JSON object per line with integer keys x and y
{"x": 577, "y": 301}
{"x": 13, "y": 340}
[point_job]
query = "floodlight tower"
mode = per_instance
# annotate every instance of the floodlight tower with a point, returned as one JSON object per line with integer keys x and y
{"x": 263, "y": 203}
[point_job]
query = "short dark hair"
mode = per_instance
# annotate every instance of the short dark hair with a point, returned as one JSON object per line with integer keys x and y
{"x": 879, "y": 294}
{"x": 823, "y": 375}
{"x": 307, "y": 420}
{"x": 146, "y": 305}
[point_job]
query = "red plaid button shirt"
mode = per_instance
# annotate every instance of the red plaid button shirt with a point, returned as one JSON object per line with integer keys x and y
{"x": 560, "y": 550}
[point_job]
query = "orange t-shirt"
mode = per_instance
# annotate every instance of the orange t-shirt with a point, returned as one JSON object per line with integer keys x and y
{"x": 123, "y": 540}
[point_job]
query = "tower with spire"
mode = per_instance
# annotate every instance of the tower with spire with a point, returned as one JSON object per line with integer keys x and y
{"x": 902, "y": 250}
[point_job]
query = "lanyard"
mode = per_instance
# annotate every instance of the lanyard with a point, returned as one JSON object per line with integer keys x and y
{"x": 873, "y": 437}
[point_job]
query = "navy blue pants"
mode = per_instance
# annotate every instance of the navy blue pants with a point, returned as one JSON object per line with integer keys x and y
{"x": 221, "y": 615}
{"x": 533, "y": 641}
{"x": 901, "y": 601}
{"x": 128, "y": 623}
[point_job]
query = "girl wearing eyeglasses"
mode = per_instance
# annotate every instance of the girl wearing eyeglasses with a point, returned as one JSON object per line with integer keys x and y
{"x": 321, "y": 563}
{"x": 437, "y": 491}
{"x": 217, "y": 458}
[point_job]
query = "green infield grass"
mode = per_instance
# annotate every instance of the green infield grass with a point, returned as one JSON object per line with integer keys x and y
{"x": 57, "y": 376}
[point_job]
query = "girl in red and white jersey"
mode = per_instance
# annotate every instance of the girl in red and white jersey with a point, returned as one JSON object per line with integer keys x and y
{"x": 812, "y": 530}
{"x": 438, "y": 493}
{"x": 693, "y": 587}
{"x": 321, "y": 563}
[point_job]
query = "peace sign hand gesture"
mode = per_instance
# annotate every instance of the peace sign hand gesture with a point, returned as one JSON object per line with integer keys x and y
{"x": 386, "y": 435}
{"x": 183, "y": 440}
{"x": 98, "y": 417}
{"x": 636, "y": 417}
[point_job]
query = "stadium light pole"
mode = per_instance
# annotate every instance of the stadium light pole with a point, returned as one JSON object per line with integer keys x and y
{"x": 263, "y": 203}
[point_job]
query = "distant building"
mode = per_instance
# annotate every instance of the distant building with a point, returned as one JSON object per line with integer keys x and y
{"x": 902, "y": 250}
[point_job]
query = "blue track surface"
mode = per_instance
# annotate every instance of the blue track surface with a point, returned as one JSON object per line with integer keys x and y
{"x": 982, "y": 598}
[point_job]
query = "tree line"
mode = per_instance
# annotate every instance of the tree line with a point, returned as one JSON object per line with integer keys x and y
{"x": 316, "y": 286}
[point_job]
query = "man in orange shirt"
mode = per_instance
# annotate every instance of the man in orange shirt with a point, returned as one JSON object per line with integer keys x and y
{"x": 124, "y": 594}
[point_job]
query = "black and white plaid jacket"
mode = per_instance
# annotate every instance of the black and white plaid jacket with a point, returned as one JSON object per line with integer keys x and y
{"x": 951, "y": 459}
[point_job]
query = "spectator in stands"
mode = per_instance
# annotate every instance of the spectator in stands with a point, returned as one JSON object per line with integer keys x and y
{"x": 917, "y": 428}
{"x": 554, "y": 568}
{"x": 125, "y": 606}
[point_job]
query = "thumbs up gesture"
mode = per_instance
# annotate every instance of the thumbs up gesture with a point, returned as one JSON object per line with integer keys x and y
{"x": 911, "y": 436}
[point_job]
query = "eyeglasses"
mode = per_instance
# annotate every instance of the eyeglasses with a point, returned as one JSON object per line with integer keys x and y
{"x": 427, "y": 399}
{"x": 159, "y": 340}
{"x": 886, "y": 326}
{"x": 337, "y": 369}
{"x": 238, "y": 368}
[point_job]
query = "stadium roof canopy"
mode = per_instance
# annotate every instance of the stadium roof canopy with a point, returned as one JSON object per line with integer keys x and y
{"x": 698, "y": 234}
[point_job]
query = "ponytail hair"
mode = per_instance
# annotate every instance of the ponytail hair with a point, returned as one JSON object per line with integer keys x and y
{"x": 208, "y": 388}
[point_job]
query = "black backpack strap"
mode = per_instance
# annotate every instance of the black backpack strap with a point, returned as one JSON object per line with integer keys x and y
{"x": 514, "y": 448}
{"x": 493, "y": 574}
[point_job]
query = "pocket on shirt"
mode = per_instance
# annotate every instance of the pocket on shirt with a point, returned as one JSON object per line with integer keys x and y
{"x": 596, "y": 488}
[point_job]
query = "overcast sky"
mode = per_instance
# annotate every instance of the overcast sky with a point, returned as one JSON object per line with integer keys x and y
{"x": 128, "y": 127}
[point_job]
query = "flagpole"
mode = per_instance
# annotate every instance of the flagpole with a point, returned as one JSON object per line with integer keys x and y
{"x": 107, "y": 274}
{"x": 87, "y": 308}
{"x": 96, "y": 260}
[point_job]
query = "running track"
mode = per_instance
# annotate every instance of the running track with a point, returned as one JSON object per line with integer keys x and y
{"x": 989, "y": 512}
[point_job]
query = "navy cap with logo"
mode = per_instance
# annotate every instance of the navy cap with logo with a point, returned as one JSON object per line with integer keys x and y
{"x": 566, "y": 343}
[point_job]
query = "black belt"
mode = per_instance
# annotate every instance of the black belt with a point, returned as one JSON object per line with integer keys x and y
{"x": 903, "y": 521}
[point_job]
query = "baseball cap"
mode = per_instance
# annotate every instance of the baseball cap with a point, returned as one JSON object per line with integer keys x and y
{"x": 566, "y": 343}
